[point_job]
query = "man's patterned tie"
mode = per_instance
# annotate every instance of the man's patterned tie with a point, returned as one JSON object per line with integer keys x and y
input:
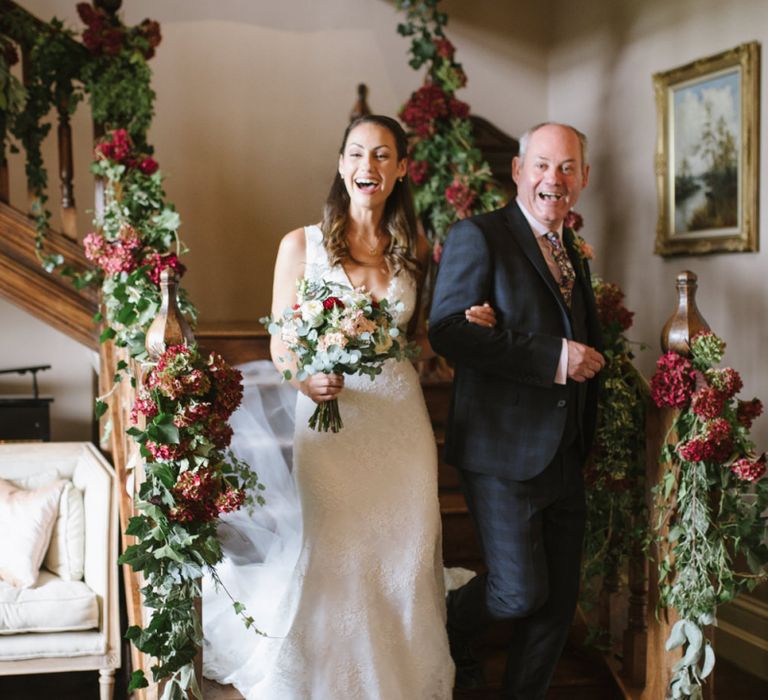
{"x": 567, "y": 275}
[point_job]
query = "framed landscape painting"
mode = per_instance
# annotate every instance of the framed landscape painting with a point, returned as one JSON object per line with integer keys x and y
{"x": 707, "y": 154}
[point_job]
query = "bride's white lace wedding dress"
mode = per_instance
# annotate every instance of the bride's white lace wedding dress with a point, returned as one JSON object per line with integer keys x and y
{"x": 354, "y": 606}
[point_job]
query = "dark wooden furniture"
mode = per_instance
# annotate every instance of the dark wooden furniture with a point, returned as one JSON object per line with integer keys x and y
{"x": 25, "y": 417}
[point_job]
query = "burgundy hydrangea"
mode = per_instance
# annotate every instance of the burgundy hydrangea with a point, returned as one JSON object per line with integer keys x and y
{"x": 610, "y": 307}
{"x": 674, "y": 381}
{"x": 149, "y": 30}
{"x": 708, "y": 402}
{"x": 444, "y": 48}
{"x": 229, "y": 385}
{"x": 165, "y": 453}
{"x": 727, "y": 380}
{"x": 8, "y": 50}
{"x": 428, "y": 103}
{"x": 202, "y": 495}
{"x": 417, "y": 171}
{"x": 114, "y": 257}
{"x": 715, "y": 445}
{"x": 192, "y": 413}
{"x": 159, "y": 262}
{"x": 117, "y": 147}
{"x": 747, "y": 411}
{"x": 749, "y": 469}
{"x": 145, "y": 405}
{"x": 460, "y": 196}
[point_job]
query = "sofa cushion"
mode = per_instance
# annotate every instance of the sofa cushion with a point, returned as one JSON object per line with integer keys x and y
{"x": 51, "y": 605}
{"x": 30, "y": 516}
{"x": 66, "y": 552}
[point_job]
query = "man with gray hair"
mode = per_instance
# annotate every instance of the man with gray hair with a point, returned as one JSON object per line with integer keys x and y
{"x": 524, "y": 407}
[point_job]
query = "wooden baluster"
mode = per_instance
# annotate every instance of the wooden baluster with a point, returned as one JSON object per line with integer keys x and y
{"x": 684, "y": 323}
{"x": 66, "y": 173}
{"x": 635, "y": 644}
{"x": 360, "y": 108}
{"x": 5, "y": 189}
{"x": 611, "y": 585}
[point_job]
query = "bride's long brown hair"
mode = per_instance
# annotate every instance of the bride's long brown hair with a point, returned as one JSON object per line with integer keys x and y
{"x": 399, "y": 219}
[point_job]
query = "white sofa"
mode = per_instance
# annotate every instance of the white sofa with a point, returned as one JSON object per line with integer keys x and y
{"x": 56, "y": 624}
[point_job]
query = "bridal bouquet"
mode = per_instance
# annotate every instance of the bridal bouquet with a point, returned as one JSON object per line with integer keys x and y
{"x": 335, "y": 329}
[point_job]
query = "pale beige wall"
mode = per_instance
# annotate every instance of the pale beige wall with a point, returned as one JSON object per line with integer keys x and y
{"x": 600, "y": 79}
{"x": 25, "y": 342}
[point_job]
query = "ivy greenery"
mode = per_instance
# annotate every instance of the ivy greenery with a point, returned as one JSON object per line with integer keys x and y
{"x": 615, "y": 473}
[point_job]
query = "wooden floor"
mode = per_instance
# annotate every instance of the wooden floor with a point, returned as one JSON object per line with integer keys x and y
{"x": 730, "y": 684}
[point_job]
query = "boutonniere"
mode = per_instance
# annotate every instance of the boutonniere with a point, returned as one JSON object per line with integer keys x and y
{"x": 574, "y": 221}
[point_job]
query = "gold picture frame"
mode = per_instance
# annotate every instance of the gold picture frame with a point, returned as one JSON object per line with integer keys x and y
{"x": 707, "y": 154}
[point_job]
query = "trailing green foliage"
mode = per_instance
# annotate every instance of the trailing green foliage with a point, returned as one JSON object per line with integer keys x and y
{"x": 712, "y": 501}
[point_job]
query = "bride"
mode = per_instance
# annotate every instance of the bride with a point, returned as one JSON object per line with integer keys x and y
{"x": 353, "y": 604}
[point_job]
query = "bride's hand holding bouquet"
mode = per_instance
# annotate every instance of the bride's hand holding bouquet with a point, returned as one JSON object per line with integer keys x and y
{"x": 333, "y": 329}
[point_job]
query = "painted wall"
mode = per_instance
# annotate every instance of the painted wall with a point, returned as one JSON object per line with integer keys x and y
{"x": 26, "y": 342}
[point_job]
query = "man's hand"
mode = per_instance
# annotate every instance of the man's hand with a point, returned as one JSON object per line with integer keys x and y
{"x": 584, "y": 362}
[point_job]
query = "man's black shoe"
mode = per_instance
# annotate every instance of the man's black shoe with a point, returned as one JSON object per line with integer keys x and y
{"x": 469, "y": 669}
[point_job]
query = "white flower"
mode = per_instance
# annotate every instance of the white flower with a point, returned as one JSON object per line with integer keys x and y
{"x": 312, "y": 312}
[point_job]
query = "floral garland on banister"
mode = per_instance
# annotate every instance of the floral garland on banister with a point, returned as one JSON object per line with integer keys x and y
{"x": 615, "y": 471}
{"x": 712, "y": 501}
{"x": 109, "y": 68}
{"x": 450, "y": 179}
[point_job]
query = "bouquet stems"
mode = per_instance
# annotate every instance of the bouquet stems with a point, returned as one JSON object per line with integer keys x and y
{"x": 326, "y": 417}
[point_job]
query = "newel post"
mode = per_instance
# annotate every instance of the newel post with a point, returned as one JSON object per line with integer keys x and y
{"x": 684, "y": 323}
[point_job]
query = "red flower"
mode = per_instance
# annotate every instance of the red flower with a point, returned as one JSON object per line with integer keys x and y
{"x": 150, "y": 31}
{"x": 228, "y": 383}
{"x": 458, "y": 109}
{"x": 417, "y": 170}
{"x": 90, "y": 15}
{"x": 428, "y": 103}
{"x": 230, "y": 500}
{"x": 148, "y": 166}
{"x": 715, "y": 445}
{"x": 674, "y": 381}
{"x": 708, "y": 402}
{"x": 610, "y": 309}
{"x": 726, "y": 380}
{"x": 444, "y": 48}
{"x": 461, "y": 196}
{"x": 747, "y": 411}
{"x": 165, "y": 453}
{"x": 573, "y": 220}
{"x": 160, "y": 262}
{"x": 145, "y": 405}
{"x": 10, "y": 55}
{"x": 748, "y": 469}
{"x": 330, "y": 302}
{"x": 437, "y": 252}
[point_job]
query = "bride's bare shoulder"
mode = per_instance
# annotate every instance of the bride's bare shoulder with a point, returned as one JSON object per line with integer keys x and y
{"x": 294, "y": 242}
